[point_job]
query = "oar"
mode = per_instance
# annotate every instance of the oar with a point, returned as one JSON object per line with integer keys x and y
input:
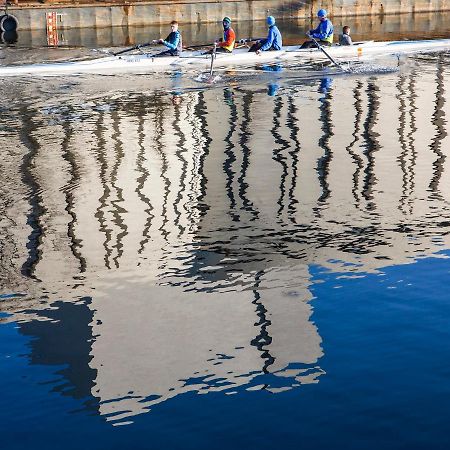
{"x": 213, "y": 57}
{"x": 244, "y": 41}
{"x": 197, "y": 46}
{"x": 240, "y": 41}
{"x": 135, "y": 47}
{"x": 326, "y": 54}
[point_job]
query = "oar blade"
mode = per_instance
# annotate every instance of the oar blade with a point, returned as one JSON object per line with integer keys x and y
{"x": 320, "y": 47}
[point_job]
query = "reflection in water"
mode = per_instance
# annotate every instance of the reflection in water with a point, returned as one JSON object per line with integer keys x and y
{"x": 292, "y": 124}
{"x": 71, "y": 328}
{"x": 118, "y": 206}
{"x": 439, "y": 121}
{"x": 272, "y": 89}
{"x": 281, "y": 145}
{"x": 325, "y": 85}
{"x": 372, "y": 144}
{"x": 327, "y": 128}
{"x": 407, "y": 157}
{"x": 244, "y": 161}
{"x": 36, "y": 211}
{"x": 231, "y": 158}
{"x": 263, "y": 340}
{"x": 142, "y": 179}
{"x": 75, "y": 244}
{"x": 181, "y": 234}
{"x": 358, "y": 161}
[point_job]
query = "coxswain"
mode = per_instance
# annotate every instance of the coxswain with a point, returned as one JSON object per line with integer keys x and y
{"x": 323, "y": 34}
{"x": 173, "y": 41}
{"x": 273, "y": 40}
{"x": 345, "y": 38}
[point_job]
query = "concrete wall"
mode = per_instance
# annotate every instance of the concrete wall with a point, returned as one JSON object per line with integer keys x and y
{"x": 161, "y": 12}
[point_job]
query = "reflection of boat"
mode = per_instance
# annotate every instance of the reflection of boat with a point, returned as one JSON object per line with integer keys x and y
{"x": 147, "y": 62}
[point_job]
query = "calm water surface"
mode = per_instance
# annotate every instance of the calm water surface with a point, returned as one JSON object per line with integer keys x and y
{"x": 260, "y": 262}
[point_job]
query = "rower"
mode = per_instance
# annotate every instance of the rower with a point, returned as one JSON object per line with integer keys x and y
{"x": 323, "y": 33}
{"x": 173, "y": 41}
{"x": 273, "y": 40}
{"x": 226, "y": 45}
{"x": 344, "y": 38}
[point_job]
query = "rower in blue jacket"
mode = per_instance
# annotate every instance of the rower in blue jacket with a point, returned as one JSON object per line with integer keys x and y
{"x": 273, "y": 40}
{"x": 323, "y": 34}
{"x": 173, "y": 41}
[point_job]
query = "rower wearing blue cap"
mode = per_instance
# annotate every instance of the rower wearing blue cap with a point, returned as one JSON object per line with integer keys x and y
{"x": 323, "y": 33}
{"x": 273, "y": 40}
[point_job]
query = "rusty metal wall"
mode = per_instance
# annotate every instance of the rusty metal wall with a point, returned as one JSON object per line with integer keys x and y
{"x": 33, "y": 17}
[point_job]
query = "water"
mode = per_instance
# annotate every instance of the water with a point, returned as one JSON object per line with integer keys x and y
{"x": 257, "y": 262}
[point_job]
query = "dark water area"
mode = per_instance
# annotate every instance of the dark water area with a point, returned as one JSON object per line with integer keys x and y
{"x": 258, "y": 262}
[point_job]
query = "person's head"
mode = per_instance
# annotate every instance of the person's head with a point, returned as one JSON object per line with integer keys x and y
{"x": 270, "y": 21}
{"x": 322, "y": 14}
{"x": 226, "y": 22}
{"x": 174, "y": 25}
{"x": 346, "y": 29}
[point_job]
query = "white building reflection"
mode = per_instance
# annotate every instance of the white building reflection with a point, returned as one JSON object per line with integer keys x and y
{"x": 191, "y": 225}
{"x": 153, "y": 344}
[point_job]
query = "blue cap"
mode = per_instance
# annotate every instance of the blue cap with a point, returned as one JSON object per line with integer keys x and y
{"x": 270, "y": 21}
{"x": 322, "y": 13}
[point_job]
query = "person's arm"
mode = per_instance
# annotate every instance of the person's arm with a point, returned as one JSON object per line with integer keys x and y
{"x": 322, "y": 31}
{"x": 269, "y": 40}
{"x": 314, "y": 31}
{"x": 172, "y": 44}
{"x": 230, "y": 37}
{"x": 278, "y": 40}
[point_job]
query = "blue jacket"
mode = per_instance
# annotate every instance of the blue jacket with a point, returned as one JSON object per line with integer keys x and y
{"x": 324, "y": 31}
{"x": 173, "y": 41}
{"x": 273, "y": 39}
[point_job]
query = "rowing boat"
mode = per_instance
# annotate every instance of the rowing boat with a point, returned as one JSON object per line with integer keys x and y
{"x": 146, "y": 62}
